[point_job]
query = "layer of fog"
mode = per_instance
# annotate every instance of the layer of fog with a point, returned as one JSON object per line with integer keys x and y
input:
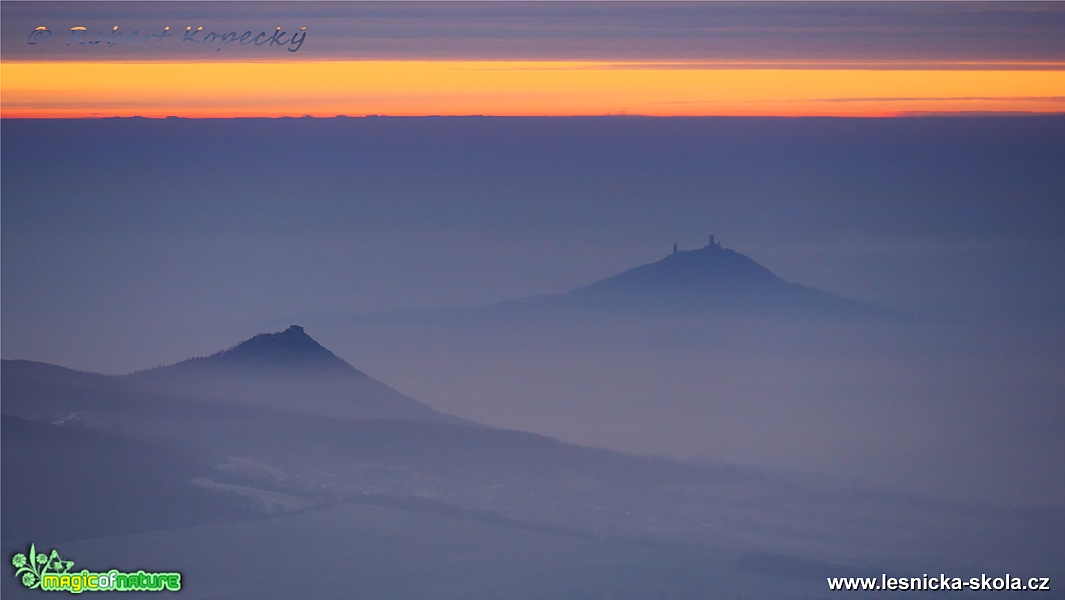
{"x": 941, "y": 408}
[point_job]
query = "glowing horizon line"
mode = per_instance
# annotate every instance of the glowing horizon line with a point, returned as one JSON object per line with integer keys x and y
{"x": 509, "y": 88}
{"x": 770, "y": 64}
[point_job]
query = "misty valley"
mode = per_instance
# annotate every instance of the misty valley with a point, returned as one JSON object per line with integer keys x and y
{"x": 521, "y": 300}
{"x": 276, "y": 445}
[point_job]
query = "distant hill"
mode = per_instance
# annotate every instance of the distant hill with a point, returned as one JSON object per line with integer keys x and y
{"x": 288, "y": 350}
{"x": 709, "y": 279}
{"x": 289, "y": 371}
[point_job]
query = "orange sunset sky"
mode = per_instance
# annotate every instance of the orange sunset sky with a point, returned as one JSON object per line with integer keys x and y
{"x": 869, "y": 65}
{"x": 356, "y": 88}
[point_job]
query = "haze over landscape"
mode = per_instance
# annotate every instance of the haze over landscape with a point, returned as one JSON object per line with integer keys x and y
{"x": 550, "y": 356}
{"x": 926, "y": 370}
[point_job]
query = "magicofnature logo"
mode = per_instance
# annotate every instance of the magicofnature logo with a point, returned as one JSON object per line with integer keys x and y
{"x": 49, "y": 572}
